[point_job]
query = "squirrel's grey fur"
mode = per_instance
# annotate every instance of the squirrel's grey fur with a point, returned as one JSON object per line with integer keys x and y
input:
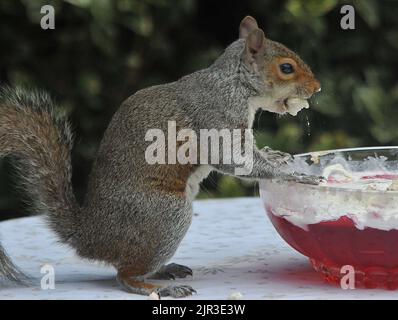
{"x": 134, "y": 214}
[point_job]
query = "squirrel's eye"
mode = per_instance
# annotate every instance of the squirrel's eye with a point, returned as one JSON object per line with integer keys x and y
{"x": 286, "y": 68}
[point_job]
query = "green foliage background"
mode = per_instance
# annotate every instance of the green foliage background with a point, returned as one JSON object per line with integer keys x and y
{"x": 102, "y": 51}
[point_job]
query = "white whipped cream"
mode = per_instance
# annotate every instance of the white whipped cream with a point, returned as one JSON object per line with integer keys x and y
{"x": 295, "y": 105}
{"x": 338, "y": 177}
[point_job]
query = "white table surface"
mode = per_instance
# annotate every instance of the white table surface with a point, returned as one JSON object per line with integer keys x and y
{"x": 231, "y": 247}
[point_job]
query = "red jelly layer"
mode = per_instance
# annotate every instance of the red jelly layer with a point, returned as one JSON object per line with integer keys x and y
{"x": 381, "y": 176}
{"x": 332, "y": 244}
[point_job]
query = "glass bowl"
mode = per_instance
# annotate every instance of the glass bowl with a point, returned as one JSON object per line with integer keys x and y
{"x": 336, "y": 226}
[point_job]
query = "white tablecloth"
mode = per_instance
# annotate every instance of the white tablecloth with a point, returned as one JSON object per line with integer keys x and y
{"x": 231, "y": 247}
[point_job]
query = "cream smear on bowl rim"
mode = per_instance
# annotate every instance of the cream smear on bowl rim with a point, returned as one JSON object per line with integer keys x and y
{"x": 349, "y": 191}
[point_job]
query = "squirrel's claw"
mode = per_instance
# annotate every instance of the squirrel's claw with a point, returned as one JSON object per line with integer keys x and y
{"x": 302, "y": 178}
{"x": 277, "y": 157}
{"x": 172, "y": 271}
{"x": 175, "y": 291}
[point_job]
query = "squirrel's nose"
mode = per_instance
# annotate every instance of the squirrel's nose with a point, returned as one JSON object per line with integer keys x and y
{"x": 316, "y": 87}
{"x": 312, "y": 86}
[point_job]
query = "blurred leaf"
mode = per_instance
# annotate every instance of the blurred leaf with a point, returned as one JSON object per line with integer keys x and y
{"x": 142, "y": 25}
{"x": 90, "y": 83}
{"x": 333, "y": 140}
{"x": 326, "y": 104}
{"x": 81, "y": 3}
{"x": 264, "y": 139}
{"x": 382, "y": 135}
{"x": 371, "y": 98}
{"x": 392, "y": 38}
{"x": 102, "y": 10}
{"x": 302, "y": 8}
{"x": 230, "y": 187}
{"x": 369, "y": 11}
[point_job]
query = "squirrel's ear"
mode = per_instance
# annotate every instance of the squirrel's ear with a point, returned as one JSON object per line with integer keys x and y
{"x": 255, "y": 41}
{"x": 255, "y": 49}
{"x": 247, "y": 25}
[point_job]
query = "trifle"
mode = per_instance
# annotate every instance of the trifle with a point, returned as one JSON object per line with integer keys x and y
{"x": 350, "y": 219}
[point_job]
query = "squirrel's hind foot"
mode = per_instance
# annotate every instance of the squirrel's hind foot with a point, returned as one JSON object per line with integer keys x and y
{"x": 176, "y": 291}
{"x": 171, "y": 271}
{"x": 137, "y": 285}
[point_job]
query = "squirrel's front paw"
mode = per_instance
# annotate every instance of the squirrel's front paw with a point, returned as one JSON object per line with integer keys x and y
{"x": 175, "y": 291}
{"x": 303, "y": 178}
{"x": 276, "y": 157}
{"x": 172, "y": 271}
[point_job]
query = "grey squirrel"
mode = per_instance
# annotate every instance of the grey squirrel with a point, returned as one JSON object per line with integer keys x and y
{"x": 135, "y": 214}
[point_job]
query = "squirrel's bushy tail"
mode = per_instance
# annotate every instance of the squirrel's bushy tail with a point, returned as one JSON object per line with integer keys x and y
{"x": 41, "y": 143}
